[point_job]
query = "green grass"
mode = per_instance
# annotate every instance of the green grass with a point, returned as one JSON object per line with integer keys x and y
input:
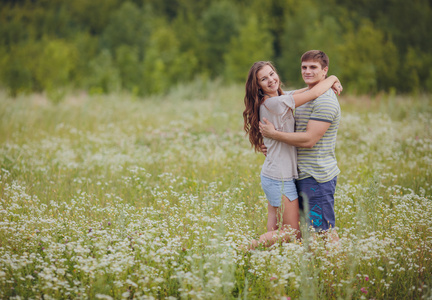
{"x": 116, "y": 197}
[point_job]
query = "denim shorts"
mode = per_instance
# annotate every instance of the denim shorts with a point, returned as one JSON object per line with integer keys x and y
{"x": 274, "y": 189}
{"x": 317, "y": 200}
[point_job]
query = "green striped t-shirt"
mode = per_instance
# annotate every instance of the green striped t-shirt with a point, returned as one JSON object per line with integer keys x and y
{"x": 319, "y": 161}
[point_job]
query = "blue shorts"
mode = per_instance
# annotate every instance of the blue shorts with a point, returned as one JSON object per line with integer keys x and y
{"x": 317, "y": 200}
{"x": 274, "y": 189}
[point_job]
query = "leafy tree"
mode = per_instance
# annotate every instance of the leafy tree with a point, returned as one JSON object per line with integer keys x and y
{"x": 408, "y": 22}
{"x": 288, "y": 63}
{"x": 188, "y": 29}
{"x": 86, "y": 46}
{"x": 92, "y": 16}
{"x": 168, "y": 9}
{"x": 428, "y": 83}
{"x": 161, "y": 61}
{"x": 220, "y": 23}
{"x": 128, "y": 25}
{"x": 15, "y": 69}
{"x": 373, "y": 45}
{"x": 171, "y": 9}
{"x": 13, "y": 27}
{"x": 253, "y": 43}
{"x": 323, "y": 32}
{"x": 128, "y": 64}
{"x": 54, "y": 66}
{"x": 52, "y": 20}
{"x": 415, "y": 70}
{"x": 369, "y": 60}
{"x": 104, "y": 76}
{"x": 272, "y": 16}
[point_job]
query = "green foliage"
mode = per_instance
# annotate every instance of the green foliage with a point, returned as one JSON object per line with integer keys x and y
{"x": 416, "y": 70}
{"x": 323, "y": 32}
{"x": 159, "y": 60}
{"x": 92, "y": 16}
{"x": 127, "y": 61}
{"x": 253, "y": 43}
{"x": 220, "y": 22}
{"x": 373, "y": 46}
{"x": 12, "y": 30}
{"x": 104, "y": 76}
{"x": 87, "y": 48}
{"x": 53, "y": 67}
{"x": 15, "y": 73}
{"x": 370, "y": 61}
{"x": 188, "y": 30}
{"x": 128, "y": 25}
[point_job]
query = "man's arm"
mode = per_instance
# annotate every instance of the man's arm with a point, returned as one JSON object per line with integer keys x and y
{"x": 315, "y": 130}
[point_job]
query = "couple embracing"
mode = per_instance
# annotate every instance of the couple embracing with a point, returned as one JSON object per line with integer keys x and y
{"x": 300, "y": 169}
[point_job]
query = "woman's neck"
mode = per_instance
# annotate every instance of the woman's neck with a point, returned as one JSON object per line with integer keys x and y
{"x": 271, "y": 95}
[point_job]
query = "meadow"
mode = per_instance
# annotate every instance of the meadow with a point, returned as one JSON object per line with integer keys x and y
{"x": 116, "y": 197}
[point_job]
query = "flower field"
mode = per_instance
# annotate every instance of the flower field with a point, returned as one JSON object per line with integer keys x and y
{"x": 113, "y": 197}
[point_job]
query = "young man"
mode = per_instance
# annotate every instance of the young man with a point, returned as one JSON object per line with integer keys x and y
{"x": 317, "y": 123}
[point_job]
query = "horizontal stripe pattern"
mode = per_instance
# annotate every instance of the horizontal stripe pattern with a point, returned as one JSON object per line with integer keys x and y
{"x": 319, "y": 161}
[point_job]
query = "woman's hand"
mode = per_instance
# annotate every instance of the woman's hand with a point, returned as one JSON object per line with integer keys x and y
{"x": 337, "y": 86}
{"x": 264, "y": 149}
{"x": 267, "y": 129}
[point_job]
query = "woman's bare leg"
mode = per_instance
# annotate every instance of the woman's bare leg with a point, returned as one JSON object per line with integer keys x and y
{"x": 269, "y": 238}
{"x": 272, "y": 218}
{"x": 290, "y": 215}
{"x": 287, "y": 215}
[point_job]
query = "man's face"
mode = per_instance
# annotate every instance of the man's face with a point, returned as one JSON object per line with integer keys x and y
{"x": 312, "y": 72}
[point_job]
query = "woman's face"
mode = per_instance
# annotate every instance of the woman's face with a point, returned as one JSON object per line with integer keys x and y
{"x": 268, "y": 81}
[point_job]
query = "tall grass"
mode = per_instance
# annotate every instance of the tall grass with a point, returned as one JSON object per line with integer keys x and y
{"x": 113, "y": 197}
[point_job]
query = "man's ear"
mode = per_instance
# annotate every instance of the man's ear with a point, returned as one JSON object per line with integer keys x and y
{"x": 325, "y": 70}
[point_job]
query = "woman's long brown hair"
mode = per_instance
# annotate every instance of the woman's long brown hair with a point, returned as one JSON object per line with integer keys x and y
{"x": 253, "y": 99}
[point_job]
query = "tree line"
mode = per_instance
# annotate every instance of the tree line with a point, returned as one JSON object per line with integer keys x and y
{"x": 147, "y": 46}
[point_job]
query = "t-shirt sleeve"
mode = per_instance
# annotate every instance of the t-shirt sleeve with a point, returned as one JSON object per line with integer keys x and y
{"x": 287, "y": 101}
{"x": 325, "y": 109}
{"x": 280, "y": 104}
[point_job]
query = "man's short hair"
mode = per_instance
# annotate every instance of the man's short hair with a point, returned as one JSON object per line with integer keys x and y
{"x": 316, "y": 55}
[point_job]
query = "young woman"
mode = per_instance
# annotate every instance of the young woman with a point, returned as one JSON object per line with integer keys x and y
{"x": 265, "y": 99}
